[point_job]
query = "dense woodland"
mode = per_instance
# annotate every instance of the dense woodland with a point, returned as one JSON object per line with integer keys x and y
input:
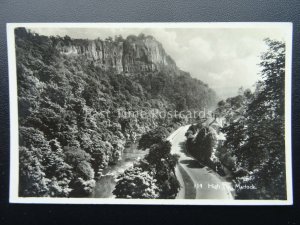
{"x": 65, "y": 141}
{"x": 254, "y": 149}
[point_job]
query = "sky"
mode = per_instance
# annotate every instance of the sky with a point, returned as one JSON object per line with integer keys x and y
{"x": 224, "y": 58}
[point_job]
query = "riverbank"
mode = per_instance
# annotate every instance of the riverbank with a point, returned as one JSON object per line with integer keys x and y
{"x": 107, "y": 182}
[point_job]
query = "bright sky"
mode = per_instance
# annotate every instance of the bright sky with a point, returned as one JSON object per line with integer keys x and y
{"x": 224, "y": 58}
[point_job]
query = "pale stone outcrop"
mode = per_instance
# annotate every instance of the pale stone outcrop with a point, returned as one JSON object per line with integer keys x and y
{"x": 133, "y": 54}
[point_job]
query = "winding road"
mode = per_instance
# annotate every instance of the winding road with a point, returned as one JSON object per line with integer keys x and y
{"x": 197, "y": 181}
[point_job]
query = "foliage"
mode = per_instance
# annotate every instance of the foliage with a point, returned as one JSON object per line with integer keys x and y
{"x": 158, "y": 168}
{"x": 69, "y": 125}
{"x": 201, "y": 141}
{"x": 43, "y": 171}
{"x": 255, "y": 131}
{"x": 154, "y": 136}
{"x": 136, "y": 183}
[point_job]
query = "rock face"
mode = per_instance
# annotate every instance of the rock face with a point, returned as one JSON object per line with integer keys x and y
{"x": 133, "y": 54}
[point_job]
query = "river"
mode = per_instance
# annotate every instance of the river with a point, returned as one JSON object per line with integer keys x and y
{"x": 107, "y": 182}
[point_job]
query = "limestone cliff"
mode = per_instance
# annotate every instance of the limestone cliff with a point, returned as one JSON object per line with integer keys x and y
{"x": 133, "y": 54}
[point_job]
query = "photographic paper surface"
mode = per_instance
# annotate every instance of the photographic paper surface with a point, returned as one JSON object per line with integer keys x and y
{"x": 150, "y": 113}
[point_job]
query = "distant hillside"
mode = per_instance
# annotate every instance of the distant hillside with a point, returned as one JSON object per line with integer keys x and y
{"x": 65, "y": 85}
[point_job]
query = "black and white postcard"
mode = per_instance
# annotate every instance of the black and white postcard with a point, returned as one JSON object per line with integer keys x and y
{"x": 150, "y": 113}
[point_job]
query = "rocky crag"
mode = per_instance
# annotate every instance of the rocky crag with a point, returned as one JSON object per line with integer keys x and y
{"x": 133, "y": 54}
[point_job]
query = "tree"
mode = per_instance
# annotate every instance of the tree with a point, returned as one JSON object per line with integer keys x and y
{"x": 157, "y": 171}
{"x": 202, "y": 145}
{"x": 255, "y": 133}
{"x": 153, "y": 137}
{"x": 42, "y": 163}
{"x": 265, "y": 126}
{"x": 136, "y": 183}
{"x": 32, "y": 178}
{"x": 163, "y": 163}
